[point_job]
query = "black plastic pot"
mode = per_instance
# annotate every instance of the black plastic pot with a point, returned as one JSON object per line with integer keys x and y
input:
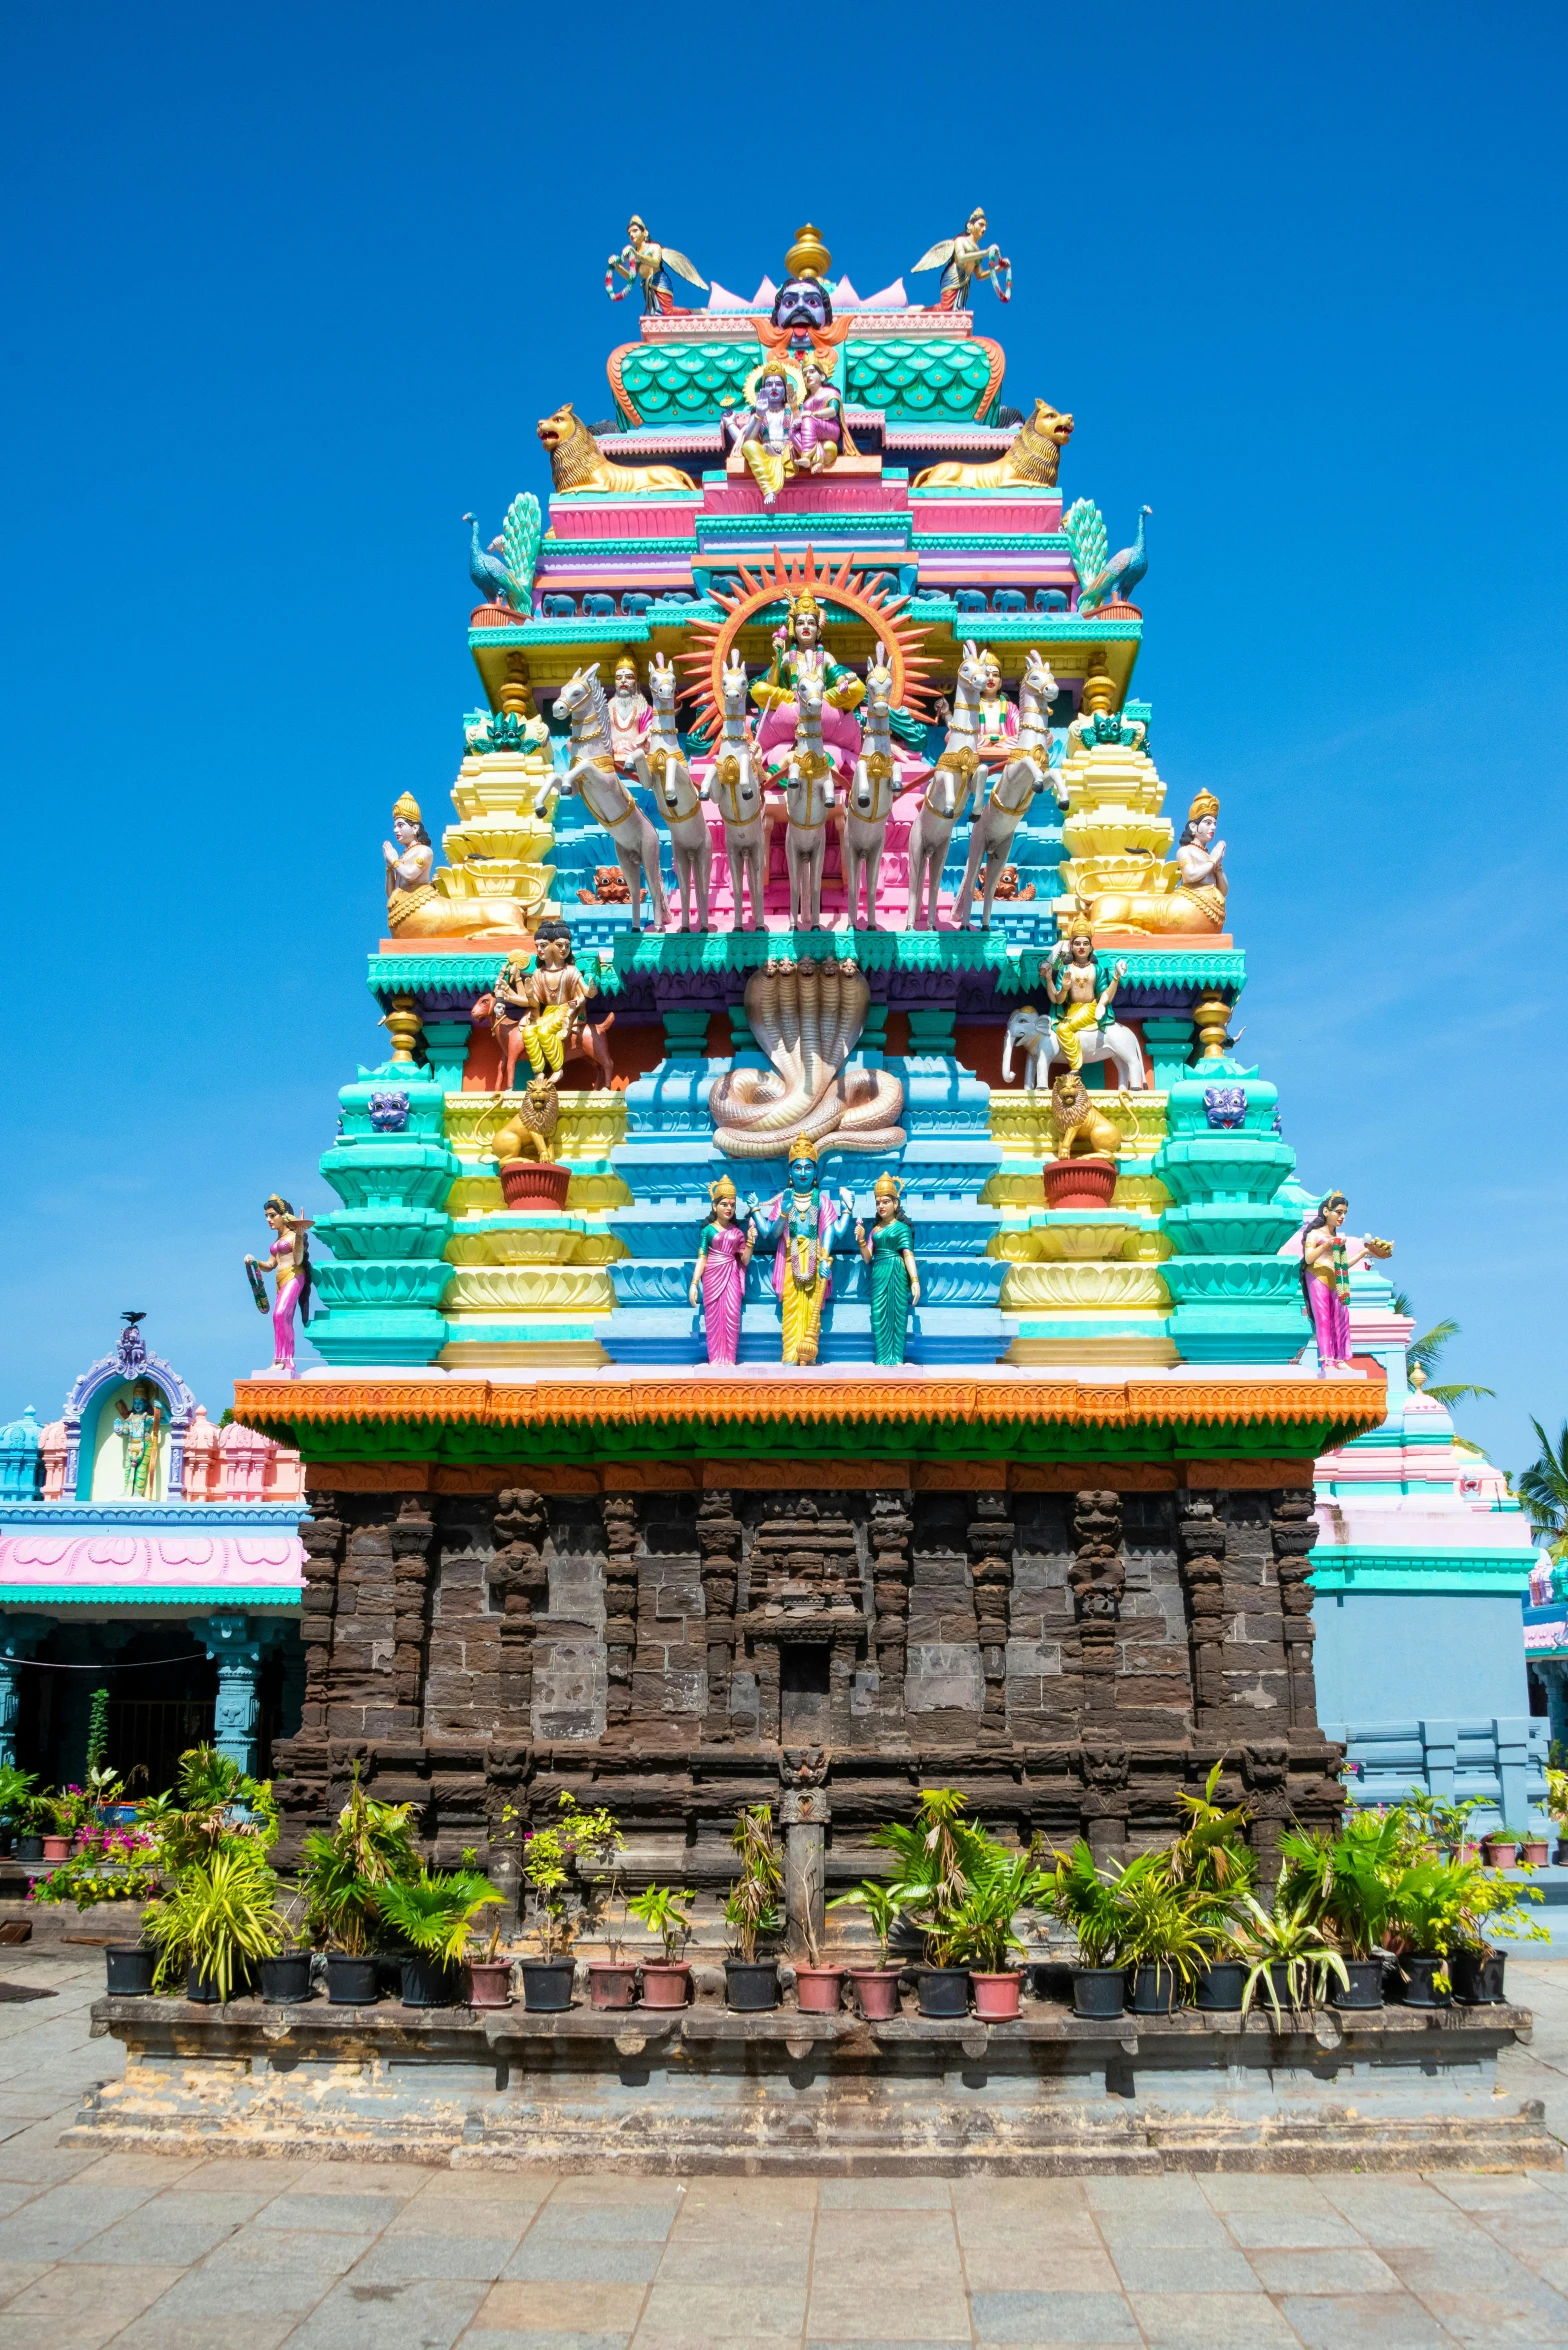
{"x": 129, "y": 1966}
{"x": 1477, "y": 1977}
{"x": 431, "y": 1982}
{"x": 1156, "y": 1989}
{"x": 750, "y": 1988}
{"x": 352, "y": 1982}
{"x": 1416, "y": 1985}
{"x": 29, "y": 1848}
{"x": 1365, "y": 1988}
{"x": 203, "y": 1988}
{"x": 547, "y": 1985}
{"x": 943, "y": 1990}
{"x": 1099, "y": 1991}
{"x": 285, "y": 1980}
{"x": 1221, "y": 1986}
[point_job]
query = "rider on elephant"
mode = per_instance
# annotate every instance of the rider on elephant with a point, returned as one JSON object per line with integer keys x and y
{"x": 1072, "y": 982}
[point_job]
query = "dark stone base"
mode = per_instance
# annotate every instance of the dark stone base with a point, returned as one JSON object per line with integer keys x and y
{"x": 705, "y": 2091}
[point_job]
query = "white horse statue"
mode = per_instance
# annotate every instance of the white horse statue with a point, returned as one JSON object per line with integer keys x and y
{"x": 871, "y": 791}
{"x": 808, "y": 796}
{"x": 951, "y": 781}
{"x": 1023, "y": 774}
{"x": 737, "y": 794}
{"x": 591, "y": 774}
{"x": 661, "y": 767}
{"x": 1033, "y": 1031}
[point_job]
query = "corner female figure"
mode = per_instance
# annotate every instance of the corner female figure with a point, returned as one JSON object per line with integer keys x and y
{"x": 719, "y": 1280}
{"x": 895, "y": 1279}
{"x": 288, "y": 1260}
{"x": 1326, "y": 1259}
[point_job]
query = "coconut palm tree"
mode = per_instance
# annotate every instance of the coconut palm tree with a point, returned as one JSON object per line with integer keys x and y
{"x": 1422, "y": 1354}
{"x": 1543, "y": 1488}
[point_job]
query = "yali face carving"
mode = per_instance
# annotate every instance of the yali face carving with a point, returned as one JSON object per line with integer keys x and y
{"x": 801, "y": 302}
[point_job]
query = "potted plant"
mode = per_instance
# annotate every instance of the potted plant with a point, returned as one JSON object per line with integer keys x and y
{"x": 666, "y": 1911}
{"x": 434, "y": 1913}
{"x": 937, "y": 1860}
{"x": 565, "y": 1898}
{"x": 32, "y": 1816}
{"x": 342, "y": 1870}
{"x": 1087, "y": 1902}
{"x": 752, "y": 1984}
{"x": 1501, "y": 1846}
{"x": 1347, "y": 1881}
{"x": 62, "y": 1812}
{"x": 16, "y": 1801}
{"x": 819, "y": 1989}
{"x": 1557, "y": 1805}
{"x": 979, "y": 1930}
{"x": 1210, "y": 1864}
{"x": 1287, "y": 1953}
{"x": 876, "y": 1987}
{"x": 1165, "y": 1940}
{"x": 219, "y": 1922}
{"x": 1533, "y": 1852}
{"x": 1486, "y": 1905}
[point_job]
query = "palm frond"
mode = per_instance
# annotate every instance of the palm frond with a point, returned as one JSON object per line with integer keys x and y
{"x": 1543, "y": 1486}
{"x": 1456, "y": 1391}
{"x": 1424, "y": 1351}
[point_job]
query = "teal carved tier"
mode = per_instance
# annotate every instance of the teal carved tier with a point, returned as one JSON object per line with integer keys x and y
{"x": 1237, "y": 1300}
{"x": 392, "y": 1168}
{"x": 912, "y": 381}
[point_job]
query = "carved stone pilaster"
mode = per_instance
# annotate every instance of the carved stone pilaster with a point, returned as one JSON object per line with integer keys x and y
{"x": 321, "y": 1538}
{"x": 890, "y": 1531}
{"x": 804, "y": 1811}
{"x": 1293, "y": 1530}
{"x": 992, "y": 1536}
{"x": 518, "y": 1577}
{"x": 1098, "y": 1576}
{"x": 1200, "y": 1541}
{"x": 1265, "y": 1770}
{"x": 718, "y": 1549}
{"x": 1106, "y": 1765}
{"x": 411, "y": 1537}
{"x": 619, "y": 1512}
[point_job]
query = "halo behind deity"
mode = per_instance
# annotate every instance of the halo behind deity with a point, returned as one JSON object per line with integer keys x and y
{"x": 784, "y": 367}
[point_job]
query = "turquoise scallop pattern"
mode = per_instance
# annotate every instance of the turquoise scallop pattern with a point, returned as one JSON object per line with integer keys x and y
{"x": 677, "y": 383}
{"x": 912, "y": 382}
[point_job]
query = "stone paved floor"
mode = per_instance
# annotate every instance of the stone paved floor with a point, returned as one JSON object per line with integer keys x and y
{"x": 158, "y": 2253}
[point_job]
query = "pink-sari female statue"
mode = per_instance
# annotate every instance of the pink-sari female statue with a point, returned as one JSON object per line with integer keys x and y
{"x": 719, "y": 1280}
{"x": 288, "y": 1261}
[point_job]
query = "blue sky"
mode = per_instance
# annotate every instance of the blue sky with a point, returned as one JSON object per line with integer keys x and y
{"x": 287, "y": 291}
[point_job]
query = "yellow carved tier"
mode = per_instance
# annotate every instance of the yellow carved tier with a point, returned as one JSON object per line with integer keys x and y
{"x": 1141, "y": 1191}
{"x": 507, "y": 787}
{"x": 1024, "y": 1125}
{"x": 529, "y": 1289}
{"x": 1083, "y": 1288}
{"x": 1110, "y": 775}
{"x": 1129, "y": 1348}
{"x": 593, "y": 1191}
{"x": 475, "y": 1354}
{"x": 534, "y": 1244}
{"x": 588, "y": 1126}
{"x": 1117, "y": 835}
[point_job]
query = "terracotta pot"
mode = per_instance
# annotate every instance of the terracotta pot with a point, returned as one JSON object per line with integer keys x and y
{"x": 489, "y": 1982}
{"x": 1078, "y": 1183}
{"x": 664, "y": 1985}
{"x": 527, "y": 1184}
{"x": 57, "y": 1847}
{"x": 1469, "y": 1849}
{"x": 611, "y": 1984}
{"x": 1534, "y": 1851}
{"x": 876, "y": 1988}
{"x": 1501, "y": 1851}
{"x": 819, "y": 1990}
{"x": 996, "y": 1996}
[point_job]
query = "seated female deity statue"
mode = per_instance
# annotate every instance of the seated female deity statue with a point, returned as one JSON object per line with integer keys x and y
{"x": 1196, "y": 905}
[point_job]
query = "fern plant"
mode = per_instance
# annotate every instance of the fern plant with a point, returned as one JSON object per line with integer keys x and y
{"x": 221, "y": 1918}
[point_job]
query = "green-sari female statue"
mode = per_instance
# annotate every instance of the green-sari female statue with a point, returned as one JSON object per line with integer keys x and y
{"x": 895, "y": 1280}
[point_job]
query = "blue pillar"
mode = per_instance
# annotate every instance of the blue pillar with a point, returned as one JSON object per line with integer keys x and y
{"x": 236, "y": 1651}
{"x": 1513, "y": 1758}
{"x": 1441, "y": 1743}
{"x": 19, "y": 1636}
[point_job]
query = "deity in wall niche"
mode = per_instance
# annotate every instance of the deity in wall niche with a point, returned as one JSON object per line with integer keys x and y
{"x": 138, "y": 1424}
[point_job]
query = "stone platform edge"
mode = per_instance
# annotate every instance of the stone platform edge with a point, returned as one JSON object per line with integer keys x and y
{"x": 704, "y": 2091}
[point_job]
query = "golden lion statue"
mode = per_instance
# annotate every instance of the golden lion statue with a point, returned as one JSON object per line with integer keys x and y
{"x": 1081, "y": 1131}
{"x": 578, "y": 463}
{"x": 1032, "y": 460}
{"x": 529, "y": 1132}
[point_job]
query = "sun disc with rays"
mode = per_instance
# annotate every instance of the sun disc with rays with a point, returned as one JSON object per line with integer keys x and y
{"x": 884, "y": 614}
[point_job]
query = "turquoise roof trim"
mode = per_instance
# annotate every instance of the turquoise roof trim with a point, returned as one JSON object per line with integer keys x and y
{"x": 126, "y": 1598}
{"x": 1499, "y": 1571}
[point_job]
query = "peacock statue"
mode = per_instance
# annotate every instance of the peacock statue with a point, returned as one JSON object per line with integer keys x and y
{"x": 509, "y": 581}
{"x": 1083, "y": 527}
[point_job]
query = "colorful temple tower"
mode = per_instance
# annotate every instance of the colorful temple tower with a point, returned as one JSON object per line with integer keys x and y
{"x": 979, "y": 1448}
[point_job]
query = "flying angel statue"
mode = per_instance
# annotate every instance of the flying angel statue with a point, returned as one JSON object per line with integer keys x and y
{"x": 962, "y": 259}
{"x": 641, "y": 262}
